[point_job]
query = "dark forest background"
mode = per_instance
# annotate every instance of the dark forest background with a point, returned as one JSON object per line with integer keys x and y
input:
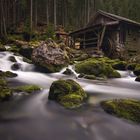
{"x": 30, "y": 15}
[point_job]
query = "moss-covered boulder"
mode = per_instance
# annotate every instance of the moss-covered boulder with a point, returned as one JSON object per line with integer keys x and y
{"x": 68, "y": 93}
{"x": 5, "y": 91}
{"x": 137, "y": 70}
{"x": 27, "y": 88}
{"x": 97, "y": 68}
{"x": 7, "y": 74}
{"x": 124, "y": 108}
{"x": 137, "y": 79}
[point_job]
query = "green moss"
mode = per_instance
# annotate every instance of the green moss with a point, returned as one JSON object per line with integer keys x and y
{"x": 137, "y": 70}
{"x": 2, "y": 48}
{"x": 96, "y": 67}
{"x": 14, "y": 49}
{"x": 27, "y": 60}
{"x": 7, "y": 74}
{"x": 27, "y": 88}
{"x": 124, "y": 108}
{"x": 114, "y": 74}
{"x": 71, "y": 101}
{"x": 5, "y": 92}
{"x": 3, "y": 82}
{"x": 67, "y": 93}
{"x": 81, "y": 57}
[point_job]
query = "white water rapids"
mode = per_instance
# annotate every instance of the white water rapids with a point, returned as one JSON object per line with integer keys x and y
{"x": 36, "y": 118}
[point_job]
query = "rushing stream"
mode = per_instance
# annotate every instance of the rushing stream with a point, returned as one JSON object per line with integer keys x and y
{"x": 35, "y": 118}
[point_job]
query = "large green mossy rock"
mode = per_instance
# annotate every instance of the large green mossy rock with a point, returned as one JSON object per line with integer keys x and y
{"x": 97, "y": 67}
{"x": 137, "y": 70}
{"x": 124, "y": 108}
{"x": 68, "y": 93}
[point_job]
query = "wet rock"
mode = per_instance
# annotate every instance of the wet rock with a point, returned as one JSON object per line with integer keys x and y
{"x": 137, "y": 79}
{"x": 50, "y": 56}
{"x": 26, "y": 51}
{"x": 137, "y": 70}
{"x": 124, "y": 108}
{"x": 68, "y": 93}
{"x": 16, "y": 66}
{"x": 131, "y": 66}
{"x": 120, "y": 65}
{"x": 68, "y": 72}
{"x": 14, "y": 49}
{"x": 12, "y": 59}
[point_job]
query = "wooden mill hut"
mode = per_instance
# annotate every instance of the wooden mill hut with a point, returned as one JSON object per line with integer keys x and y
{"x": 108, "y": 33}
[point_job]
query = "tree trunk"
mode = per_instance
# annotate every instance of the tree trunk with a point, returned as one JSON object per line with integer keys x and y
{"x": 55, "y": 14}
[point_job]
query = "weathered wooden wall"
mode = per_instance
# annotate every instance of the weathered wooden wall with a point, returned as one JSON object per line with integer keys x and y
{"x": 132, "y": 43}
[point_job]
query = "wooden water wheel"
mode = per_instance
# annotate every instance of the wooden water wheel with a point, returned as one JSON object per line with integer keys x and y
{"x": 108, "y": 47}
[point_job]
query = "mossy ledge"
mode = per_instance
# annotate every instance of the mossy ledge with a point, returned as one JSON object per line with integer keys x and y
{"x": 67, "y": 93}
{"x": 27, "y": 88}
{"x": 124, "y": 108}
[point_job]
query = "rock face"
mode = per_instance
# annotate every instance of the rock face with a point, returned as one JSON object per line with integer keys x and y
{"x": 68, "y": 93}
{"x": 50, "y": 56}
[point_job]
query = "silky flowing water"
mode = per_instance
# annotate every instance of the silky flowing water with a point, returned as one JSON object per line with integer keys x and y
{"x": 33, "y": 117}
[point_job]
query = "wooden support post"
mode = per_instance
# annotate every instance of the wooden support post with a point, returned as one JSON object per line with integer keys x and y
{"x": 102, "y": 36}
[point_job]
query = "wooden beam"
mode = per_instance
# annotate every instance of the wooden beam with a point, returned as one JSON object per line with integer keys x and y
{"x": 102, "y": 36}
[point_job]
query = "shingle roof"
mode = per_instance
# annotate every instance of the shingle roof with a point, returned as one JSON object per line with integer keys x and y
{"x": 114, "y": 17}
